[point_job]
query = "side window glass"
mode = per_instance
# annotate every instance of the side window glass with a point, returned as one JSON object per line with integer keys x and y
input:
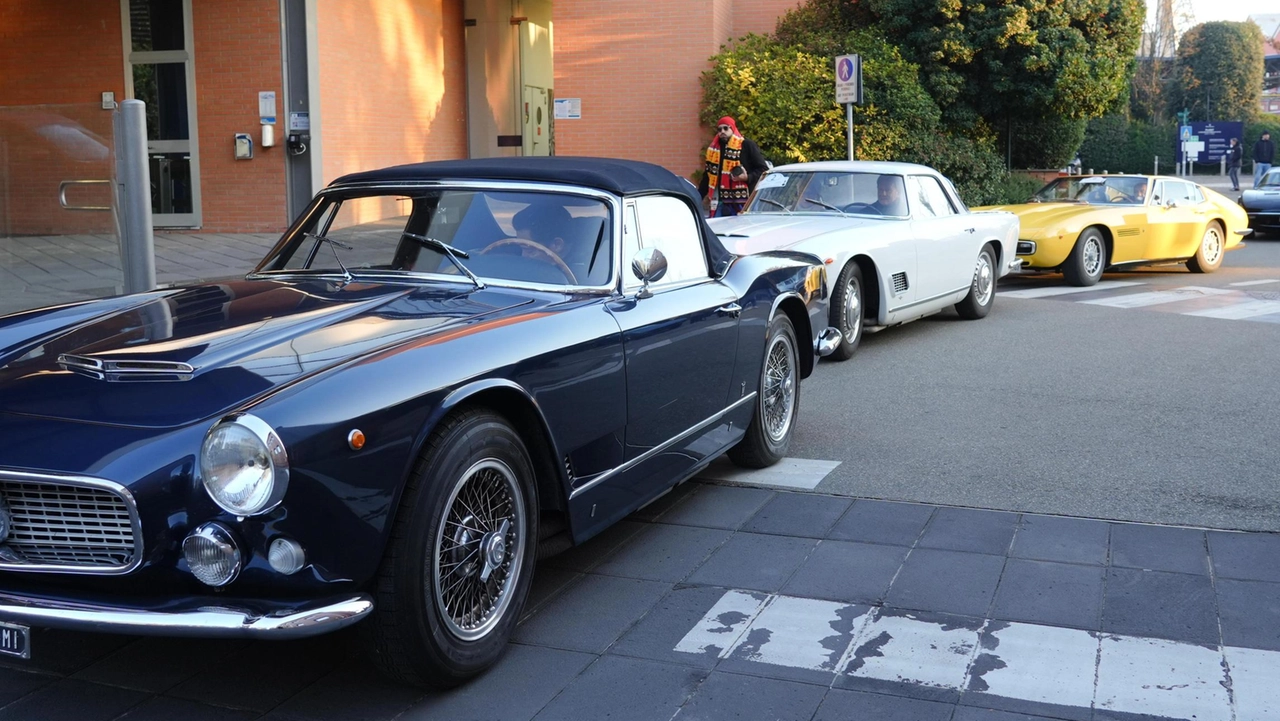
{"x": 919, "y": 198}
{"x": 936, "y": 196}
{"x": 668, "y": 225}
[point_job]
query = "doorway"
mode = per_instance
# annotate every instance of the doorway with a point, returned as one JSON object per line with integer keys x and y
{"x": 510, "y": 77}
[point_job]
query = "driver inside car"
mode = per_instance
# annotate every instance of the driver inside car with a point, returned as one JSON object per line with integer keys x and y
{"x": 545, "y": 225}
{"x": 889, "y": 196}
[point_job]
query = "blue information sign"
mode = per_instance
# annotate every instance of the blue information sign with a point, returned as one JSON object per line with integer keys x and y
{"x": 1207, "y": 142}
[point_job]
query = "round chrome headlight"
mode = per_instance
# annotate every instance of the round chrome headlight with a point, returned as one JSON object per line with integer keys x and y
{"x": 244, "y": 466}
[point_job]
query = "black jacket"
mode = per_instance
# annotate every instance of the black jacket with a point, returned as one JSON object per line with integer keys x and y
{"x": 1264, "y": 151}
{"x": 752, "y": 160}
{"x": 1235, "y": 154}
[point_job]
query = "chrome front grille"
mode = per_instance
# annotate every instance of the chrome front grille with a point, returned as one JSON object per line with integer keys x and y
{"x": 67, "y": 525}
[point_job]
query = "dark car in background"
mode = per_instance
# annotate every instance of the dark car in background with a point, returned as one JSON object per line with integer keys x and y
{"x": 438, "y": 369}
{"x": 1263, "y": 204}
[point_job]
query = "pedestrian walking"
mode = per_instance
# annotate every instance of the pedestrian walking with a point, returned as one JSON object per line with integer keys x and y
{"x": 1264, "y": 152}
{"x": 1235, "y": 156}
{"x": 733, "y": 165}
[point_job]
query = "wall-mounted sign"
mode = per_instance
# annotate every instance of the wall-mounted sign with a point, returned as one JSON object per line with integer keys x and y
{"x": 568, "y": 108}
{"x": 267, "y": 107}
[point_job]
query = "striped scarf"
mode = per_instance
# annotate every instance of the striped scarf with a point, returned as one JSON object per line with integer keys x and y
{"x": 728, "y": 188}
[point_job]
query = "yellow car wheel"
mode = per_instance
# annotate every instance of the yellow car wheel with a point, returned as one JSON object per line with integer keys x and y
{"x": 1087, "y": 260}
{"x": 1208, "y": 257}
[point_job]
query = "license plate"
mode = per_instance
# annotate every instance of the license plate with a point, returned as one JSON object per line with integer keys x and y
{"x": 15, "y": 640}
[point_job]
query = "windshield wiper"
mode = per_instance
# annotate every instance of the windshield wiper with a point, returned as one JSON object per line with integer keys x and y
{"x": 828, "y": 206}
{"x": 774, "y": 202}
{"x": 452, "y": 253}
{"x": 346, "y": 274}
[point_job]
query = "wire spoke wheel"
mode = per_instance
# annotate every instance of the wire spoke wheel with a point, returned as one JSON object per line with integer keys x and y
{"x": 779, "y": 387}
{"x": 479, "y": 549}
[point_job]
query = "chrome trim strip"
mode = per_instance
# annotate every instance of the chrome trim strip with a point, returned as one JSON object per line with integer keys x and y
{"x": 658, "y": 448}
{"x": 201, "y": 619}
{"x": 135, "y": 523}
{"x": 926, "y": 300}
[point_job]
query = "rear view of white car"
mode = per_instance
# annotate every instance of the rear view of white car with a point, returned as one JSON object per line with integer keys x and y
{"x": 895, "y": 236}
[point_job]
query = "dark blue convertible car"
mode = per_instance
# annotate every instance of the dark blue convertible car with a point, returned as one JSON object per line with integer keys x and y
{"x": 439, "y": 370}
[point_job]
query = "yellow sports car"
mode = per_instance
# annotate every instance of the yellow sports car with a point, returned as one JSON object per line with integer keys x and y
{"x": 1083, "y": 225}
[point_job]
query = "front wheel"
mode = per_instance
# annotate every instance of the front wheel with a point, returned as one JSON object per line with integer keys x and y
{"x": 1087, "y": 260}
{"x": 460, "y": 558}
{"x": 1208, "y": 257}
{"x": 982, "y": 291}
{"x": 846, "y": 310}
{"x": 777, "y": 400}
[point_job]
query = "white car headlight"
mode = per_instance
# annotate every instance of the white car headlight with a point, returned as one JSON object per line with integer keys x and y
{"x": 244, "y": 466}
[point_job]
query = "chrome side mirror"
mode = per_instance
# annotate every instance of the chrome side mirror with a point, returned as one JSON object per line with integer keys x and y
{"x": 649, "y": 265}
{"x": 1170, "y": 203}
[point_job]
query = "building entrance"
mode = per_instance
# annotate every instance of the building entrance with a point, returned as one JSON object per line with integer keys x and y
{"x": 510, "y": 78}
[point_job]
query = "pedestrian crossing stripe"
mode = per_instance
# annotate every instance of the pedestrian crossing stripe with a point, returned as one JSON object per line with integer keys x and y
{"x": 1192, "y": 300}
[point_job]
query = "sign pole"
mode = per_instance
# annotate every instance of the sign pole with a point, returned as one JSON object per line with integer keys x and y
{"x": 848, "y": 107}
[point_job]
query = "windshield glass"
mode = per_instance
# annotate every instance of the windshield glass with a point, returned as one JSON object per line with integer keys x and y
{"x": 550, "y": 238}
{"x": 1270, "y": 180}
{"x": 873, "y": 194}
{"x": 1115, "y": 190}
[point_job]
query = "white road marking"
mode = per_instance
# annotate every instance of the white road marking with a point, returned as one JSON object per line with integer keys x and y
{"x": 1162, "y": 678}
{"x": 1031, "y": 662}
{"x": 1157, "y": 297}
{"x": 800, "y": 473}
{"x": 1240, "y": 311}
{"x": 1067, "y": 289}
{"x": 1255, "y": 282}
{"x": 721, "y": 627}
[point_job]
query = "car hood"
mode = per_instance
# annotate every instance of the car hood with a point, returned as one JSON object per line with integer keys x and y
{"x": 1039, "y": 219}
{"x": 756, "y": 233}
{"x": 1261, "y": 199}
{"x": 169, "y": 358}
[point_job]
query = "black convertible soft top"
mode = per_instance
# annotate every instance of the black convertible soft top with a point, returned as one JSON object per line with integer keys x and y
{"x": 620, "y": 177}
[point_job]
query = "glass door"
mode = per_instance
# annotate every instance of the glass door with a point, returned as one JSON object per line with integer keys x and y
{"x": 159, "y": 72}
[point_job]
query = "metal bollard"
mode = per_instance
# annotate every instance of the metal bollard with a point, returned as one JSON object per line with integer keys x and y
{"x": 1223, "y": 171}
{"x": 133, "y": 173}
{"x": 1156, "y": 171}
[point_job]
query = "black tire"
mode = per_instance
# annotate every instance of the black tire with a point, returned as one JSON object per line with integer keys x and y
{"x": 412, "y": 636}
{"x": 982, "y": 290}
{"x": 1087, "y": 260}
{"x": 1213, "y": 246}
{"x": 847, "y": 311}
{"x": 779, "y": 391}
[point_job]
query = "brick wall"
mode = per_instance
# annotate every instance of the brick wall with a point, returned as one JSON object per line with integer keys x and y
{"x": 637, "y": 66}
{"x": 393, "y": 83}
{"x": 238, "y": 53}
{"x": 45, "y": 60}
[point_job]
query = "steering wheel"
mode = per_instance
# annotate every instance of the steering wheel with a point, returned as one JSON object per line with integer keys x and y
{"x": 861, "y": 207}
{"x": 544, "y": 250}
{"x": 1123, "y": 197}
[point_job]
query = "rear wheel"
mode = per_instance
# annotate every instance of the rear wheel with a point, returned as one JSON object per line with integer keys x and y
{"x": 1087, "y": 260}
{"x": 460, "y": 559}
{"x": 982, "y": 291}
{"x": 777, "y": 400}
{"x": 1208, "y": 257}
{"x": 846, "y": 310}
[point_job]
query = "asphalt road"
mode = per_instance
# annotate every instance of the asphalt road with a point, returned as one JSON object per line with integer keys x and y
{"x": 1062, "y": 407}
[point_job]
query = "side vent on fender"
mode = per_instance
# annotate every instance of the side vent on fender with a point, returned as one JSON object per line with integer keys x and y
{"x": 900, "y": 284}
{"x": 1127, "y": 232}
{"x": 568, "y": 469}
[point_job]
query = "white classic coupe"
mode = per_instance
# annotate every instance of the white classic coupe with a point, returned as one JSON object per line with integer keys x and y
{"x": 896, "y": 236}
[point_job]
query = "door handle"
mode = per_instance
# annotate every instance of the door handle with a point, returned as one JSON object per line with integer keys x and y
{"x": 969, "y": 230}
{"x": 733, "y": 310}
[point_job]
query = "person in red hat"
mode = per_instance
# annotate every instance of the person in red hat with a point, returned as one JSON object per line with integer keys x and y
{"x": 734, "y": 164}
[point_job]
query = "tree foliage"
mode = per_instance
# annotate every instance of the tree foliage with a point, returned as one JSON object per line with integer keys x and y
{"x": 1046, "y": 142}
{"x": 1116, "y": 144}
{"x": 1219, "y": 71}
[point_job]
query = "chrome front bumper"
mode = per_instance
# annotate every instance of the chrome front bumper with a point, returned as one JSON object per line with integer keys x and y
{"x": 198, "y": 618}
{"x": 827, "y": 342}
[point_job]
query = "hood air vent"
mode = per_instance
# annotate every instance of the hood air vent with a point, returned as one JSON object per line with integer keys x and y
{"x": 126, "y": 371}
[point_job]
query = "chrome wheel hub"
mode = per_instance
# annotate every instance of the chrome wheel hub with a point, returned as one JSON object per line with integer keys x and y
{"x": 1211, "y": 246}
{"x": 982, "y": 276}
{"x": 1093, "y": 256}
{"x": 479, "y": 550}
{"x": 779, "y": 388}
{"x": 852, "y": 310}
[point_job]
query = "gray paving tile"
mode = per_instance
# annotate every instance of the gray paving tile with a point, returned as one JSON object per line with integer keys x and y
{"x": 754, "y": 562}
{"x": 65, "y": 652}
{"x": 547, "y": 584}
{"x": 811, "y": 641}
{"x": 656, "y": 635}
{"x": 1176, "y": 606}
{"x": 947, "y": 582}
{"x": 841, "y": 705}
{"x": 516, "y": 688}
{"x": 134, "y": 666}
{"x": 972, "y": 713}
{"x": 966, "y": 529}
{"x": 798, "y": 514}
{"x": 592, "y": 614}
{"x": 663, "y": 553}
{"x": 718, "y": 507}
{"x": 977, "y": 705}
{"x": 731, "y": 696}
{"x": 586, "y": 556}
{"x": 163, "y": 708}
{"x": 15, "y": 684}
{"x": 619, "y": 689}
{"x": 1250, "y": 613}
{"x": 1159, "y": 548}
{"x": 882, "y": 522}
{"x": 935, "y": 663}
{"x": 847, "y": 571}
{"x": 1246, "y": 556}
{"x": 238, "y": 681}
{"x": 1055, "y": 594}
{"x": 665, "y": 502}
{"x": 350, "y": 694}
{"x": 68, "y": 700}
{"x": 1070, "y": 540}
